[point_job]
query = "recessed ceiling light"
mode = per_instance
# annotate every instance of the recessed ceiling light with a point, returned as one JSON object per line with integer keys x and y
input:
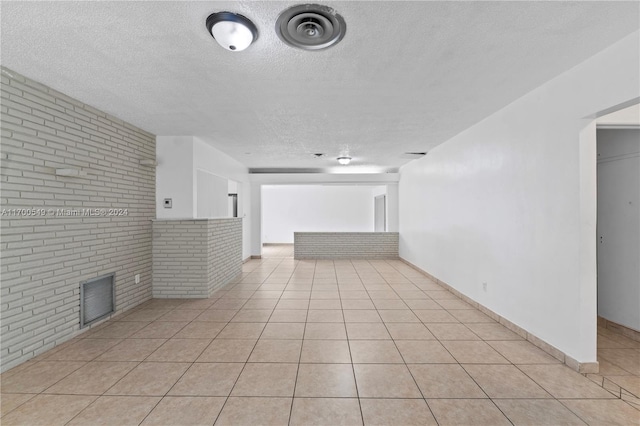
{"x": 344, "y": 160}
{"x": 232, "y": 31}
{"x": 310, "y": 27}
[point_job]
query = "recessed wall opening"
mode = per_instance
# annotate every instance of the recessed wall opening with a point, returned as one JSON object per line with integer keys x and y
{"x": 97, "y": 299}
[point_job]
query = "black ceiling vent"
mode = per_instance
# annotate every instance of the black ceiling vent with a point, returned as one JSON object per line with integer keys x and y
{"x": 310, "y": 27}
{"x": 413, "y": 155}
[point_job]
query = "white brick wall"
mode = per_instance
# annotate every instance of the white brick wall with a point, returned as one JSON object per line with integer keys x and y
{"x": 193, "y": 258}
{"x": 345, "y": 245}
{"x": 45, "y": 257}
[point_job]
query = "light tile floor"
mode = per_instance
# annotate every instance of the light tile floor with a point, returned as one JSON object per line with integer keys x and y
{"x": 314, "y": 343}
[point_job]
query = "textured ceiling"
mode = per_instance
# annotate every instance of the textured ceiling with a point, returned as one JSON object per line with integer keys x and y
{"x": 406, "y": 77}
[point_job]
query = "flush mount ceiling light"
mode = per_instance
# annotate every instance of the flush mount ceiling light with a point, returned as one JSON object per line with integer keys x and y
{"x": 310, "y": 27}
{"x": 232, "y": 31}
{"x": 344, "y": 160}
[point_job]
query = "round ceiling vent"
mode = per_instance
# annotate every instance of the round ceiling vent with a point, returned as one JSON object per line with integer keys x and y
{"x": 310, "y": 27}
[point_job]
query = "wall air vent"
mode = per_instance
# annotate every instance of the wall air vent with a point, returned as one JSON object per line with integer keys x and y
{"x": 310, "y": 27}
{"x": 97, "y": 299}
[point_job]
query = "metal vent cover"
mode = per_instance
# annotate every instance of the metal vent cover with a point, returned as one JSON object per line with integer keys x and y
{"x": 310, "y": 27}
{"x": 97, "y": 299}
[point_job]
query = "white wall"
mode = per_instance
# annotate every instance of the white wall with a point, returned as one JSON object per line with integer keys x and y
{"x": 511, "y": 202}
{"x": 314, "y": 208}
{"x": 180, "y": 160}
{"x": 619, "y": 226}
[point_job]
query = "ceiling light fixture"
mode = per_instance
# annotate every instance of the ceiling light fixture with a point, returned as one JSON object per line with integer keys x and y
{"x": 344, "y": 160}
{"x": 310, "y": 27}
{"x": 232, "y": 31}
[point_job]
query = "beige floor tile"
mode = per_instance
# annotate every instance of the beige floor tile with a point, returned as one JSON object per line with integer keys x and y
{"x": 39, "y": 376}
{"x": 398, "y": 316}
{"x": 374, "y": 352}
{"x": 293, "y": 304}
{"x": 252, "y": 315}
{"x": 93, "y": 378}
{"x": 361, "y": 315}
{"x": 267, "y": 294}
{"x": 181, "y": 315}
{"x": 325, "y": 331}
{"x": 11, "y": 401}
{"x": 325, "y": 315}
{"x": 281, "y": 331}
{"x": 522, "y": 352}
{"x": 440, "y": 295}
{"x": 200, "y": 330}
{"x": 325, "y": 304}
{"x": 255, "y": 411}
{"x": 473, "y": 352}
{"x": 629, "y": 383}
{"x": 265, "y": 379}
{"x": 180, "y": 350}
{"x": 149, "y": 379}
{"x": 118, "y": 330}
{"x": 165, "y": 304}
{"x": 477, "y": 412}
{"x": 116, "y": 410}
{"x": 227, "y": 350}
{"x": 160, "y": 330}
{"x": 392, "y": 412}
{"x": 268, "y": 304}
{"x": 628, "y": 359}
{"x": 131, "y": 350}
{"x": 47, "y": 410}
{"x": 185, "y": 411}
{"x": 385, "y": 381}
{"x": 297, "y": 292}
{"x": 326, "y": 411}
{"x": 325, "y": 294}
{"x": 493, "y": 331}
{"x": 409, "y": 331}
{"x": 325, "y": 351}
{"x": 215, "y": 315}
{"x": 383, "y": 295}
{"x": 424, "y": 351}
{"x": 242, "y": 330}
{"x": 423, "y": 305}
{"x": 537, "y": 412}
{"x": 276, "y": 351}
{"x": 454, "y": 304}
{"x": 449, "y": 331}
{"x": 357, "y": 304}
{"x": 445, "y": 381}
{"x": 435, "y": 316}
{"x": 143, "y": 315}
{"x": 289, "y": 315}
{"x": 562, "y": 382}
{"x": 470, "y": 316}
{"x": 207, "y": 379}
{"x": 198, "y": 304}
{"x": 504, "y": 381}
{"x": 83, "y": 350}
{"x": 367, "y": 331}
{"x": 604, "y": 412}
{"x": 325, "y": 380}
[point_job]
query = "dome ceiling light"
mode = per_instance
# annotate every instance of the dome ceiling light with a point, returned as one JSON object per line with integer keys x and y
{"x": 310, "y": 27}
{"x": 232, "y": 31}
{"x": 344, "y": 160}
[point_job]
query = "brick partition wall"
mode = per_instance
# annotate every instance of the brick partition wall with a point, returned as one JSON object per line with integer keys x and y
{"x": 53, "y": 245}
{"x": 194, "y": 257}
{"x": 345, "y": 245}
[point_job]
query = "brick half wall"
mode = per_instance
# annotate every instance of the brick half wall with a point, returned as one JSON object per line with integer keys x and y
{"x": 345, "y": 245}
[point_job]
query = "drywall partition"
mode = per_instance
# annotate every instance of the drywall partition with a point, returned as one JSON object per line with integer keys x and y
{"x": 510, "y": 202}
{"x": 314, "y": 208}
{"x": 63, "y": 230}
{"x": 619, "y": 226}
{"x": 181, "y": 159}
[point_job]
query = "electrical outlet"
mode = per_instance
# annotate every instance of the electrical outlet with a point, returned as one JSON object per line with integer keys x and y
{"x": 137, "y": 278}
{"x": 484, "y": 287}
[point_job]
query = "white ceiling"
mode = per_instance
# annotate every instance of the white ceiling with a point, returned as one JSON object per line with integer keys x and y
{"x": 406, "y": 77}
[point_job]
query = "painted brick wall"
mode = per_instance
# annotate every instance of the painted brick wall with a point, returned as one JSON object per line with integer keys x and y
{"x": 345, "y": 245}
{"x": 46, "y": 255}
{"x": 193, "y": 258}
